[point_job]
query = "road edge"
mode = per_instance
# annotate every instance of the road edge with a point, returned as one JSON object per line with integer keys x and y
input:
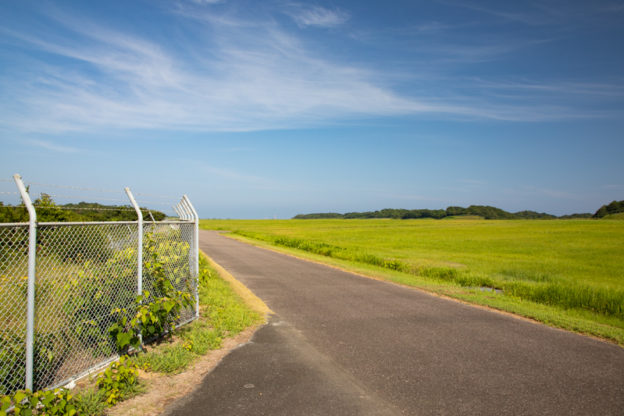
{"x": 241, "y": 290}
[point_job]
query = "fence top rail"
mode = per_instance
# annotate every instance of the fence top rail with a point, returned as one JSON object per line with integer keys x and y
{"x": 85, "y": 223}
{"x": 14, "y": 224}
{"x": 67, "y": 223}
{"x": 180, "y": 221}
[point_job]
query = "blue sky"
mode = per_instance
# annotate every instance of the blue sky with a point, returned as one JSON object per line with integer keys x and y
{"x": 274, "y": 108}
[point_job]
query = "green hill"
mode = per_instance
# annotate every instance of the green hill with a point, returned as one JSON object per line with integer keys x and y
{"x": 614, "y": 207}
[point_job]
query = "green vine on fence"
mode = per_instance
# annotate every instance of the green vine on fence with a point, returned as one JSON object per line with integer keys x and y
{"x": 155, "y": 315}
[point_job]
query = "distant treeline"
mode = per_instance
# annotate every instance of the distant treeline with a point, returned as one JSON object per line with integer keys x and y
{"x": 49, "y": 211}
{"x": 484, "y": 211}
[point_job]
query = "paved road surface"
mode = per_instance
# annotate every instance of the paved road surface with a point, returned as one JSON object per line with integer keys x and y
{"x": 341, "y": 344}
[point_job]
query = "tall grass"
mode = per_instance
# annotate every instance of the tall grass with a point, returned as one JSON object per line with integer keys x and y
{"x": 609, "y": 302}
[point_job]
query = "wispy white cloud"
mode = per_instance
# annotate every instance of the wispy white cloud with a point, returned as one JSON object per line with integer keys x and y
{"x": 207, "y": 1}
{"x": 53, "y": 146}
{"x": 236, "y": 149}
{"x": 565, "y": 13}
{"x": 613, "y": 186}
{"x": 252, "y": 75}
{"x": 232, "y": 174}
{"x": 407, "y": 196}
{"x": 433, "y": 27}
{"x": 531, "y": 191}
{"x": 506, "y": 13}
{"x": 474, "y": 182}
{"x": 237, "y": 179}
{"x": 230, "y": 74}
{"x": 306, "y": 15}
{"x": 594, "y": 89}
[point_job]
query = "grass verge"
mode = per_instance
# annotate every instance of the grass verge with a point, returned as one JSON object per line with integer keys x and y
{"x": 223, "y": 314}
{"x": 599, "y": 325}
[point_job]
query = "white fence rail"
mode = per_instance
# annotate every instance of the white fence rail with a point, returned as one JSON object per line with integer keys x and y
{"x": 61, "y": 281}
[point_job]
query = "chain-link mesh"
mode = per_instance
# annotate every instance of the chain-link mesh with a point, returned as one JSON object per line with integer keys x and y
{"x": 13, "y": 290}
{"x": 83, "y": 273}
{"x": 169, "y": 244}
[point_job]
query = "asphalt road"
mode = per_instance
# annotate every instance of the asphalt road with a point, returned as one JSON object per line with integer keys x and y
{"x": 341, "y": 344}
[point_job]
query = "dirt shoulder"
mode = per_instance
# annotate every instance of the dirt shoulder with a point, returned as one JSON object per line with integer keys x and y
{"x": 162, "y": 389}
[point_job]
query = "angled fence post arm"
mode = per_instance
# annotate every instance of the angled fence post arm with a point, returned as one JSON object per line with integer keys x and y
{"x": 195, "y": 219}
{"x": 176, "y": 210}
{"x": 195, "y": 251}
{"x": 32, "y": 252}
{"x": 179, "y": 210}
{"x": 185, "y": 209}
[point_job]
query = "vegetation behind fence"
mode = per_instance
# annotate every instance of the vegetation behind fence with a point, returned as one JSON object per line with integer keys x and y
{"x": 87, "y": 278}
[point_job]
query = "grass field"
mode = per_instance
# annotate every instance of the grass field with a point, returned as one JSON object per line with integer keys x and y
{"x": 567, "y": 273}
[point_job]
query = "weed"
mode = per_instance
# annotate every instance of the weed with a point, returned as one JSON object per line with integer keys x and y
{"x": 170, "y": 360}
{"x": 90, "y": 402}
{"x": 203, "y": 340}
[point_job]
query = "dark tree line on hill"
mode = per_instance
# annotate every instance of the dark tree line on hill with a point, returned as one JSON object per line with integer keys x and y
{"x": 485, "y": 211}
{"x": 614, "y": 207}
{"x": 49, "y": 211}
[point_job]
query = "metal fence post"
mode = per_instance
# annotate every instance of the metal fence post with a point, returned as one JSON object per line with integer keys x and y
{"x": 32, "y": 252}
{"x": 195, "y": 250}
{"x": 140, "y": 241}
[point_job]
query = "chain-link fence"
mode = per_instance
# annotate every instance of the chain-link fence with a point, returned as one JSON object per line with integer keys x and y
{"x": 83, "y": 272}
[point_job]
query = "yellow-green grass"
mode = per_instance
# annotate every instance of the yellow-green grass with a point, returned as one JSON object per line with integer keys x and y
{"x": 567, "y": 273}
{"x": 618, "y": 216}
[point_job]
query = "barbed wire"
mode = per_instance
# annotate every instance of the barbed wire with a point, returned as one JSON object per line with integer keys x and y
{"x": 40, "y": 188}
{"x": 78, "y": 188}
{"x": 90, "y": 189}
{"x": 98, "y": 198}
{"x": 156, "y": 195}
{"x": 76, "y": 208}
{"x": 82, "y": 196}
{"x": 89, "y": 209}
{"x": 155, "y": 203}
